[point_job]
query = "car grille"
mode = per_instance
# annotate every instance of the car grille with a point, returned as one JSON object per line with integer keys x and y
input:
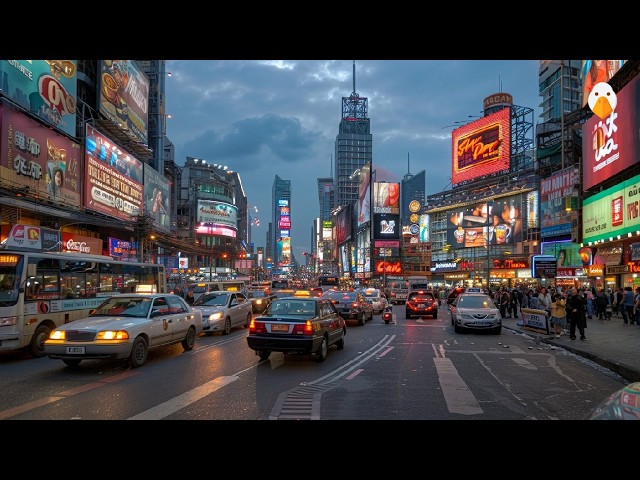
{"x": 80, "y": 336}
{"x": 480, "y": 316}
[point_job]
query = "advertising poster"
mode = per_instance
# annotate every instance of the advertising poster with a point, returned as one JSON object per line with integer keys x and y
{"x": 218, "y": 213}
{"x": 612, "y": 212}
{"x": 470, "y": 227}
{"x": 46, "y": 88}
{"x": 122, "y": 249}
{"x": 482, "y": 147}
{"x": 386, "y": 226}
{"x": 555, "y": 219}
{"x": 156, "y": 199}
{"x": 113, "y": 178}
{"x": 343, "y": 224}
{"x": 610, "y": 145}
{"x": 386, "y": 197}
{"x": 364, "y": 195}
{"x": 124, "y": 97}
{"x": 596, "y": 71}
{"x": 39, "y": 159}
{"x": 535, "y": 320}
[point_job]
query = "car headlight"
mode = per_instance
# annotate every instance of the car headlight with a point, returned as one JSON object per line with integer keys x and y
{"x": 215, "y": 316}
{"x": 112, "y": 335}
{"x": 58, "y": 335}
{"x": 8, "y": 321}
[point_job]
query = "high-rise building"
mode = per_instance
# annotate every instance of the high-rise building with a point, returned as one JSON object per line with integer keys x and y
{"x": 281, "y": 221}
{"x": 552, "y": 83}
{"x": 325, "y": 197}
{"x": 412, "y": 189}
{"x": 353, "y": 146}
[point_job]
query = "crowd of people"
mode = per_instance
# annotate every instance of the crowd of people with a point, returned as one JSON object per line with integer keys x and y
{"x": 569, "y": 308}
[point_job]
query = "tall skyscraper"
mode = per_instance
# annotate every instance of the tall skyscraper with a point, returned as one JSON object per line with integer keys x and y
{"x": 281, "y": 221}
{"x": 552, "y": 83}
{"x": 353, "y": 146}
{"x": 325, "y": 197}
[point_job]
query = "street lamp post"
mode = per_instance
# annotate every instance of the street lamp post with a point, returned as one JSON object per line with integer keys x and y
{"x": 488, "y": 238}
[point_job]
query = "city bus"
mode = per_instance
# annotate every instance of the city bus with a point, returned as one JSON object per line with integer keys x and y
{"x": 41, "y": 291}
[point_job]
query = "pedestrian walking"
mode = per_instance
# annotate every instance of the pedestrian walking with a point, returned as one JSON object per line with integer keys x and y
{"x": 576, "y": 309}
{"x": 558, "y": 313}
{"x": 601, "y": 303}
{"x": 189, "y": 297}
{"x": 545, "y": 300}
{"x": 629, "y": 303}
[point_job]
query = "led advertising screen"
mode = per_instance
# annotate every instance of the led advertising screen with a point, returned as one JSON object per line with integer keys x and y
{"x": 423, "y": 228}
{"x": 113, "y": 178}
{"x": 555, "y": 220}
{"x": 612, "y": 212}
{"x": 482, "y": 147}
{"x": 124, "y": 97}
{"x": 46, "y": 88}
{"x": 386, "y": 197}
{"x": 386, "y": 226}
{"x": 364, "y": 195}
{"x": 609, "y": 145}
{"x": 38, "y": 158}
{"x": 596, "y": 71}
{"x": 469, "y": 226}
{"x": 567, "y": 254}
{"x": 156, "y": 199}
{"x": 343, "y": 224}
{"x": 218, "y": 213}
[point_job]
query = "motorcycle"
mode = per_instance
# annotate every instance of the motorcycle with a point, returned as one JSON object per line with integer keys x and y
{"x": 387, "y": 314}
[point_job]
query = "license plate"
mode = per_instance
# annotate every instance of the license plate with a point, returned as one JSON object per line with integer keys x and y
{"x": 279, "y": 327}
{"x": 422, "y": 305}
{"x": 75, "y": 350}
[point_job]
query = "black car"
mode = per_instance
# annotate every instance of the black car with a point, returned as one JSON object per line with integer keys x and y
{"x": 421, "y": 303}
{"x": 308, "y": 325}
{"x": 260, "y": 299}
{"x": 453, "y": 294}
{"x": 351, "y": 305}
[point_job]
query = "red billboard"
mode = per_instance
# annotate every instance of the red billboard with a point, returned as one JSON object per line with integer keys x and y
{"x": 609, "y": 145}
{"x": 386, "y": 197}
{"x": 113, "y": 178}
{"x": 37, "y": 158}
{"x": 482, "y": 147}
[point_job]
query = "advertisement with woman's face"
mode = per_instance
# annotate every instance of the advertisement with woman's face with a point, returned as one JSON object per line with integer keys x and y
{"x": 495, "y": 222}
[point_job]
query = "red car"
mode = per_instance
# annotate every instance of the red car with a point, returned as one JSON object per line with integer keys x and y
{"x": 421, "y": 303}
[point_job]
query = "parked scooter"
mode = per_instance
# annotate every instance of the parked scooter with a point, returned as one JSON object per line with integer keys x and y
{"x": 387, "y": 314}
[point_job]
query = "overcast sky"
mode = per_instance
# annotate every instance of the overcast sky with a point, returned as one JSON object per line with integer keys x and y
{"x": 264, "y": 118}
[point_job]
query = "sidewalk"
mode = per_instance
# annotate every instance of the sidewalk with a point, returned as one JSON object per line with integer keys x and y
{"x": 609, "y": 343}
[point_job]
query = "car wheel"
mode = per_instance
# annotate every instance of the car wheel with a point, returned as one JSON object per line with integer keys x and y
{"x": 321, "y": 354}
{"x": 247, "y": 321}
{"x": 497, "y": 330}
{"x": 340, "y": 343}
{"x": 264, "y": 354}
{"x": 189, "y": 340}
{"x": 227, "y": 326}
{"x": 363, "y": 319}
{"x": 457, "y": 329}
{"x": 139, "y": 352}
{"x": 407, "y": 315}
{"x": 71, "y": 362}
{"x": 435, "y": 314}
{"x": 36, "y": 346}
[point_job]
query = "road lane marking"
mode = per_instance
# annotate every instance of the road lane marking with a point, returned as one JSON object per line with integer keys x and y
{"x": 181, "y": 401}
{"x": 456, "y": 393}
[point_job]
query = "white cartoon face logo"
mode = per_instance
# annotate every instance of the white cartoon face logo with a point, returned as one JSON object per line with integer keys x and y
{"x": 602, "y": 100}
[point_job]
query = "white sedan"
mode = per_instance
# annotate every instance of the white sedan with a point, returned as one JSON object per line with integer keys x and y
{"x": 126, "y": 326}
{"x": 221, "y": 311}
{"x": 375, "y": 297}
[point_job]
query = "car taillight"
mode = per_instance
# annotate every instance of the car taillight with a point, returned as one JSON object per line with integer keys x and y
{"x": 354, "y": 306}
{"x": 256, "y": 327}
{"x": 305, "y": 328}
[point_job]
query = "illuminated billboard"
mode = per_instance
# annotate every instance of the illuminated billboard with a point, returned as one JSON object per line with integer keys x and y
{"x": 470, "y": 227}
{"x": 596, "y": 71}
{"x": 482, "y": 147}
{"x": 156, "y": 199}
{"x": 343, "y": 224}
{"x": 566, "y": 253}
{"x": 113, "y": 178}
{"x": 613, "y": 212}
{"x": 386, "y": 226}
{"x": 39, "y": 159}
{"x": 218, "y": 213}
{"x": 386, "y": 197}
{"x": 124, "y": 97}
{"x": 555, "y": 220}
{"x": 364, "y": 195}
{"x": 46, "y": 88}
{"x": 610, "y": 146}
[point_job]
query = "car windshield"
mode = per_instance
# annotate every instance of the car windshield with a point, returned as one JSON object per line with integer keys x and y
{"x": 123, "y": 307}
{"x": 341, "y": 296}
{"x": 475, "y": 301}
{"x": 306, "y": 309}
{"x": 256, "y": 294}
{"x": 212, "y": 300}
